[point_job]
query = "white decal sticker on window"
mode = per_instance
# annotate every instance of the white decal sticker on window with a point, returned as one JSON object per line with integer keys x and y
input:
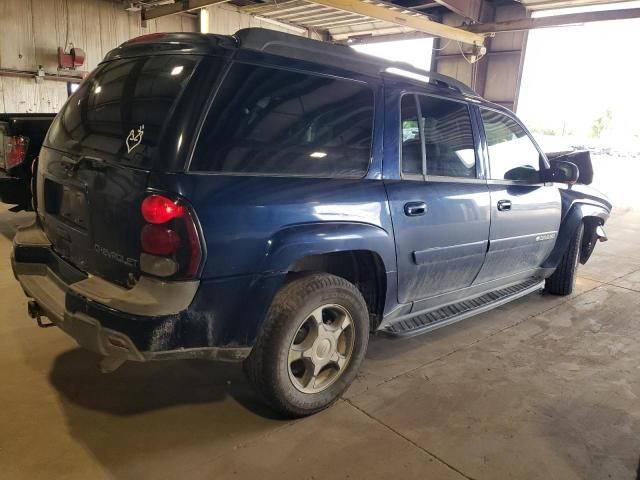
{"x": 134, "y": 138}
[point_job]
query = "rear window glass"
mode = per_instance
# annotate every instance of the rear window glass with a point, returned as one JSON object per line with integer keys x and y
{"x": 276, "y": 122}
{"x": 122, "y": 108}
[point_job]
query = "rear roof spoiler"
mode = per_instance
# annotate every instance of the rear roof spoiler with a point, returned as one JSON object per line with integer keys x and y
{"x": 171, "y": 43}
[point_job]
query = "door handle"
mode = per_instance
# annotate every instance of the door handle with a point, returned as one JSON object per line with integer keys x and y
{"x": 504, "y": 205}
{"x": 414, "y": 209}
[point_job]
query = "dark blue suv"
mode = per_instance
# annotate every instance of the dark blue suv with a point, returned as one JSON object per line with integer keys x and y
{"x": 274, "y": 199}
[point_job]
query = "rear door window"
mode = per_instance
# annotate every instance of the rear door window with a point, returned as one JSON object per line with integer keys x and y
{"x": 267, "y": 121}
{"x": 440, "y": 130}
{"x": 448, "y": 138}
{"x": 120, "y": 111}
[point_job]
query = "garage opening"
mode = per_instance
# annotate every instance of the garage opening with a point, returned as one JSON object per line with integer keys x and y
{"x": 417, "y": 52}
{"x": 579, "y": 91}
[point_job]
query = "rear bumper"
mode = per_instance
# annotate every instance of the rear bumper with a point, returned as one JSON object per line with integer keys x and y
{"x": 148, "y": 322}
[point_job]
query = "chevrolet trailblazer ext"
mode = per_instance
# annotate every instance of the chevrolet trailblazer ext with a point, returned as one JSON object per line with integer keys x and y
{"x": 273, "y": 199}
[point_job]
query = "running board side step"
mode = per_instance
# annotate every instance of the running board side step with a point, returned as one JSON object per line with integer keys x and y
{"x": 409, "y": 326}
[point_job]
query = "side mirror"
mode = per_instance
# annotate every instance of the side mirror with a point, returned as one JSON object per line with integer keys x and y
{"x": 562, "y": 172}
{"x": 526, "y": 174}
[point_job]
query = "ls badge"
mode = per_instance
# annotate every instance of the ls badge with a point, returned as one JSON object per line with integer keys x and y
{"x": 134, "y": 138}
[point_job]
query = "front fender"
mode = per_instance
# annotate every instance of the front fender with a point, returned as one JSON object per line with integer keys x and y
{"x": 577, "y": 211}
{"x": 297, "y": 241}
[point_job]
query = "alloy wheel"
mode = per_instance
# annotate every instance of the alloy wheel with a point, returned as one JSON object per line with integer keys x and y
{"x": 321, "y": 349}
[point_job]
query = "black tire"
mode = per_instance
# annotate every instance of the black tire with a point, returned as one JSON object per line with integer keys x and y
{"x": 267, "y": 368}
{"x": 563, "y": 280}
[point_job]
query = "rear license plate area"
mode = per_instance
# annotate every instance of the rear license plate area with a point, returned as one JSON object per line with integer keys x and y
{"x": 66, "y": 202}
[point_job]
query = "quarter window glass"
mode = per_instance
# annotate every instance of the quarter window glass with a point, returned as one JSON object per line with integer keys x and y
{"x": 276, "y": 122}
{"x": 512, "y": 154}
{"x": 411, "y": 143}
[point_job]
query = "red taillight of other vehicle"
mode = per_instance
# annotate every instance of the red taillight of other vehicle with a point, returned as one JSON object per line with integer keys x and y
{"x": 16, "y": 151}
{"x": 170, "y": 240}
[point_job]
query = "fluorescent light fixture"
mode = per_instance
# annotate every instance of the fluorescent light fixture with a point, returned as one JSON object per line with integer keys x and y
{"x": 98, "y": 89}
{"x": 177, "y": 70}
{"x": 408, "y": 74}
{"x": 318, "y": 155}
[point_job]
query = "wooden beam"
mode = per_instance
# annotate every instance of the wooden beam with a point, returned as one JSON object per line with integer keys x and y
{"x": 426, "y": 6}
{"x": 397, "y": 16}
{"x": 180, "y": 6}
{"x": 418, "y": 4}
{"x": 359, "y": 40}
{"x": 521, "y": 24}
{"x": 392, "y": 31}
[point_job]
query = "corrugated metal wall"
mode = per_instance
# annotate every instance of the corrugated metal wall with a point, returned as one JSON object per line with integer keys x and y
{"x": 32, "y": 30}
{"x": 497, "y": 75}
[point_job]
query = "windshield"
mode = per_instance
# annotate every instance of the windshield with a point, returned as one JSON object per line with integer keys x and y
{"x": 119, "y": 112}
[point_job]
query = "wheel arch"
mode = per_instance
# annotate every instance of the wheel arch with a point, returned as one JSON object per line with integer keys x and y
{"x": 363, "y": 254}
{"x": 362, "y": 268}
{"x": 591, "y": 214}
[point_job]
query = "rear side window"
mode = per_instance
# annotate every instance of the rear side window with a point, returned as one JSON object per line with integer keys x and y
{"x": 447, "y": 137}
{"x": 512, "y": 154}
{"x": 122, "y": 108}
{"x": 268, "y": 121}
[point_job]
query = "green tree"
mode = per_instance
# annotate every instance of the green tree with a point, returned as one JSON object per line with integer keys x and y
{"x": 601, "y": 123}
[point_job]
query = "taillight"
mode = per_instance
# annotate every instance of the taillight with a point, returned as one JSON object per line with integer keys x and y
{"x": 16, "y": 149}
{"x": 159, "y": 240}
{"x": 157, "y": 209}
{"x": 170, "y": 240}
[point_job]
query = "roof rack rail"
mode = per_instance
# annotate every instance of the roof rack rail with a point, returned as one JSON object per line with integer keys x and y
{"x": 427, "y": 76}
{"x": 341, "y": 56}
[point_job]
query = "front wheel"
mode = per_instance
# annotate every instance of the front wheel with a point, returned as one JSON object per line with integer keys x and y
{"x": 312, "y": 343}
{"x": 563, "y": 280}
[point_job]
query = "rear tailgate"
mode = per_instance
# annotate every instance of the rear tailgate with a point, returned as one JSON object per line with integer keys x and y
{"x": 94, "y": 167}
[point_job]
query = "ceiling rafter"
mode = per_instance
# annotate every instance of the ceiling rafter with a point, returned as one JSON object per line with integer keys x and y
{"x": 555, "y": 21}
{"x": 180, "y": 6}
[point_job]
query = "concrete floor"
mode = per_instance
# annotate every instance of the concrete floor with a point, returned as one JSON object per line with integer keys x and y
{"x": 544, "y": 387}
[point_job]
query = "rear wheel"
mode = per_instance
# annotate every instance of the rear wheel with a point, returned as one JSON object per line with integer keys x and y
{"x": 563, "y": 280}
{"x": 311, "y": 345}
